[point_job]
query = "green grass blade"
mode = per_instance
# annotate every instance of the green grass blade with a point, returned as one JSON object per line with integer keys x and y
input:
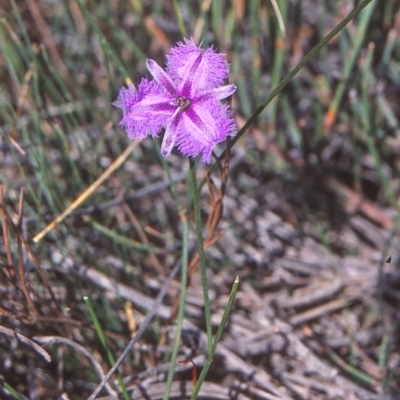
{"x": 118, "y": 238}
{"x": 299, "y": 66}
{"x": 104, "y": 42}
{"x": 11, "y": 390}
{"x": 349, "y": 64}
{"x": 182, "y": 302}
{"x": 217, "y": 338}
{"x": 103, "y": 340}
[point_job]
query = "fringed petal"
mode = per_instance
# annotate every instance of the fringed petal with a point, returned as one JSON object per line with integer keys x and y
{"x": 145, "y": 110}
{"x": 211, "y": 72}
{"x": 202, "y": 126}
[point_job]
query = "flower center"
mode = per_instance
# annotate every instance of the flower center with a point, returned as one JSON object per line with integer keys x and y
{"x": 182, "y": 102}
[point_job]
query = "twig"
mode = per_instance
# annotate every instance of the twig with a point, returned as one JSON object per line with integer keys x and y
{"x": 21, "y": 241}
{"x": 88, "y": 192}
{"x": 140, "y": 194}
{"x": 49, "y": 340}
{"x": 28, "y": 342}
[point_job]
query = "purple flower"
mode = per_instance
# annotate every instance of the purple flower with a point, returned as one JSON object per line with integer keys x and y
{"x": 185, "y": 100}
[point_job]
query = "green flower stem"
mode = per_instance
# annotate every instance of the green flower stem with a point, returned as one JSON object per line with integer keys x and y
{"x": 200, "y": 247}
{"x": 182, "y": 301}
{"x": 297, "y": 68}
{"x": 103, "y": 341}
{"x": 218, "y": 335}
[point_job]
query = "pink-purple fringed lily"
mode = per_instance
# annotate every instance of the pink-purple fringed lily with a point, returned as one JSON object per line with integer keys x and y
{"x": 185, "y": 100}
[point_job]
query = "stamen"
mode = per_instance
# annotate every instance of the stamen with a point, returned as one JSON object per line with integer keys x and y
{"x": 182, "y": 102}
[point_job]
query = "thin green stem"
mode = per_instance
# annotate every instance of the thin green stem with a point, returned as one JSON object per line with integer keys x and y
{"x": 218, "y": 335}
{"x": 200, "y": 247}
{"x": 179, "y": 19}
{"x": 297, "y": 68}
{"x": 182, "y": 302}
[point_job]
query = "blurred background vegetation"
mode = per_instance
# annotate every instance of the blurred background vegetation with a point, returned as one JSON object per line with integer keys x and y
{"x": 323, "y": 157}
